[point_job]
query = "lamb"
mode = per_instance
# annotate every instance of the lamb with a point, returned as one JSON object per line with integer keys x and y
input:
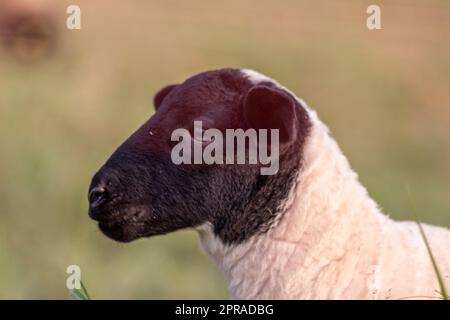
{"x": 310, "y": 231}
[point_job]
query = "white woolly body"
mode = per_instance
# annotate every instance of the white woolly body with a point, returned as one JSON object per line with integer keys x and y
{"x": 332, "y": 242}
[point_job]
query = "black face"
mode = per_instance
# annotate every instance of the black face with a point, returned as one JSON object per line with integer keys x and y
{"x": 140, "y": 192}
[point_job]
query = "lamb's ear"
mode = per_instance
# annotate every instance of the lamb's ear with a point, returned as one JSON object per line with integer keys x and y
{"x": 159, "y": 97}
{"x": 271, "y": 108}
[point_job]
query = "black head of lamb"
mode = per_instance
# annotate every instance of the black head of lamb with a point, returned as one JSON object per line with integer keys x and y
{"x": 141, "y": 192}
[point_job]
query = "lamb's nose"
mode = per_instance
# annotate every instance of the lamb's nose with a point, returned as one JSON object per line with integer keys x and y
{"x": 98, "y": 196}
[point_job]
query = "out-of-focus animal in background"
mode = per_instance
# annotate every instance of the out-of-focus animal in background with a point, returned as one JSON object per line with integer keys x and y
{"x": 28, "y": 28}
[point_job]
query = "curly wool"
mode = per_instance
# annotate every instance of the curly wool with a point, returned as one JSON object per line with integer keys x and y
{"x": 332, "y": 240}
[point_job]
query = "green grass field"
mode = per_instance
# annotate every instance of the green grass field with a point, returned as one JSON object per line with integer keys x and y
{"x": 384, "y": 94}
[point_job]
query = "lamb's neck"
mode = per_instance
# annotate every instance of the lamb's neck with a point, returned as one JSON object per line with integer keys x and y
{"x": 327, "y": 214}
{"x": 328, "y": 205}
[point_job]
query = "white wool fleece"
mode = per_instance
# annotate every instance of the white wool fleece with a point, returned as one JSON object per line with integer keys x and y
{"x": 332, "y": 242}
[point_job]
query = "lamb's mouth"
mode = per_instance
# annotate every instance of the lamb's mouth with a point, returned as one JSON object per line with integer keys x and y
{"x": 124, "y": 228}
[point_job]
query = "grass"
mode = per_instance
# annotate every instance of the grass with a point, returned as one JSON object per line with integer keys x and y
{"x": 80, "y": 294}
{"x": 443, "y": 290}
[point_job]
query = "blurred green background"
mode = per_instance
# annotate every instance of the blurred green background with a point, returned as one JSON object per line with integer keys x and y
{"x": 385, "y": 94}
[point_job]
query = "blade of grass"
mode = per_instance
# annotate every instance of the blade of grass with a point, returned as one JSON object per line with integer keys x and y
{"x": 77, "y": 294}
{"x": 85, "y": 291}
{"x": 430, "y": 253}
{"x": 80, "y": 294}
{"x": 433, "y": 261}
